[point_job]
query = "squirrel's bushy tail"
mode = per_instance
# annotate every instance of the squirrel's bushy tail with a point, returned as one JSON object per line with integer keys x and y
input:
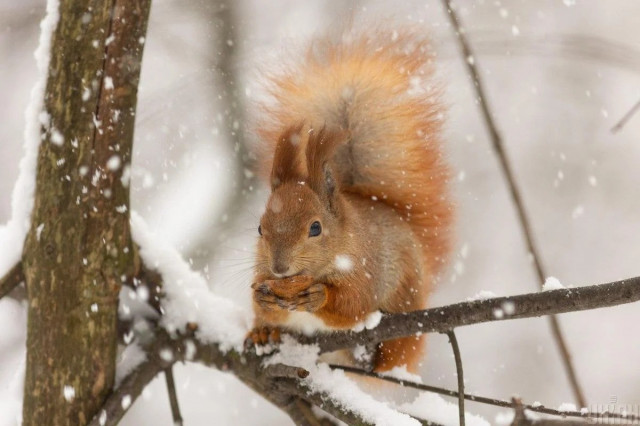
{"x": 378, "y": 88}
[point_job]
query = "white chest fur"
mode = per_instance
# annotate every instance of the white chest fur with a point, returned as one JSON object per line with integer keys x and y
{"x": 306, "y": 323}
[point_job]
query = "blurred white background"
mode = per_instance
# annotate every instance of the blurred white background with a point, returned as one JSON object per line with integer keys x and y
{"x": 559, "y": 74}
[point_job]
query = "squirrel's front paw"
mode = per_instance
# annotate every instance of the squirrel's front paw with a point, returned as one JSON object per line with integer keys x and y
{"x": 290, "y": 294}
{"x": 309, "y": 300}
{"x": 288, "y": 288}
{"x": 266, "y": 299}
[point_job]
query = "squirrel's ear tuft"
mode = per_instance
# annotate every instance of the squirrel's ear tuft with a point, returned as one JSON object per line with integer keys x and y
{"x": 287, "y": 164}
{"x": 320, "y": 149}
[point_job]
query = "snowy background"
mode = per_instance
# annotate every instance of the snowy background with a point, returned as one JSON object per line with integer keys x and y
{"x": 558, "y": 74}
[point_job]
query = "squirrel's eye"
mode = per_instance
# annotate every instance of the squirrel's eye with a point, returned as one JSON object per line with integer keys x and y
{"x": 315, "y": 229}
{"x": 260, "y": 229}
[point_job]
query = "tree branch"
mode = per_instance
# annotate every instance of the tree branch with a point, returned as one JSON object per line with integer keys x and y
{"x": 480, "y": 311}
{"x": 280, "y": 384}
{"x": 11, "y": 279}
{"x": 163, "y": 351}
{"x": 496, "y": 139}
{"x": 485, "y": 400}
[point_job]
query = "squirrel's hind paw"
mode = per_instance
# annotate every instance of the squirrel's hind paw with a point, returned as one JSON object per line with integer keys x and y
{"x": 262, "y": 336}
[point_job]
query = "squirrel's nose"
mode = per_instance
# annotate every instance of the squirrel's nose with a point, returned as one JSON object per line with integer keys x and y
{"x": 279, "y": 268}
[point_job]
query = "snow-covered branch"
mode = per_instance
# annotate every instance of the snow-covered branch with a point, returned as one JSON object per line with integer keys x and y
{"x": 284, "y": 378}
{"x": 288, "y": 387}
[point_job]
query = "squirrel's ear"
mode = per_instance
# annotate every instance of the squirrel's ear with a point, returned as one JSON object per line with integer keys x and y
{"x": 329, "y": 181}
{"x": 320, "y": 148}
{"x": 287, "y": 166}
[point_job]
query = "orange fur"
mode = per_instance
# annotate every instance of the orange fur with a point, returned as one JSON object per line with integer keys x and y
{"x": 366, "y": 164}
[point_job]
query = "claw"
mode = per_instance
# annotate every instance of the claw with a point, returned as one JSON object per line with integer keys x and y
{"x": 264, "y": 289}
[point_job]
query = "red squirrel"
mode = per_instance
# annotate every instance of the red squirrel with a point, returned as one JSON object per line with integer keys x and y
{"x": 359, "y": 215}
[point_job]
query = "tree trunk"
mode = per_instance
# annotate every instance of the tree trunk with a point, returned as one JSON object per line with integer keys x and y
{"x": 78, "y": 252}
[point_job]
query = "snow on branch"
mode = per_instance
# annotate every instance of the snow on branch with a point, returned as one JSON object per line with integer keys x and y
{"x": 186, "y": 295}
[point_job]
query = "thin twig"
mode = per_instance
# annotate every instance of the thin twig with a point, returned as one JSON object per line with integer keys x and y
{"x": 285, "y": 371}
{"x": 459, "y": 373}
{"x": 11, "y": 279}
{"x": 173, "y": 396}
{"x": 623, "y": 121}
{"x": 482, "y": 399}
{"x": 471, "y": 61}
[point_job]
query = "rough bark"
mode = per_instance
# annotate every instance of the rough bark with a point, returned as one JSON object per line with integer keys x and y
{"x": 78, "y": 252}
